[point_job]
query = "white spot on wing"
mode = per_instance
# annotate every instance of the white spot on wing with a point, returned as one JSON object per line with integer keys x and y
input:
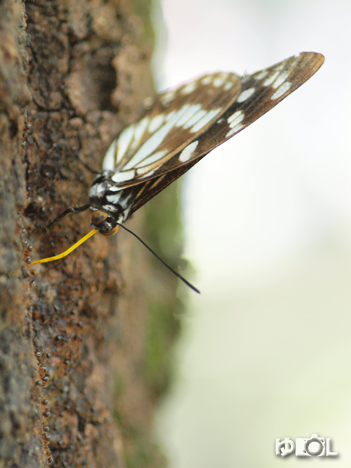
{"x": 139, "y": 131}
{"x": 97, "y": 191}
{"x": 234, "y": 122}
{"x": 235, "y": 118}
{"x": 114, "y": 198}
{"x": 156, "y": 122}
{"x": 190, "y": 111}
{"x": 144, "y": 170}
{"x": 280, "y": 80}
{"x": 271, "y": 79}
{"x": 123, "y": 142}
{"x": 210, "y": 115}
{"x": 168, "y": 97}
{"x": 234, "y": 130}
{"x": 262, "y": 75}
{"x": 188, "y": 151}
{"x": 153, "y": 158}
{"x": 170, "y": 116}
{"x": 148, "y": 174}
{"x": 217, "y": 82}
{"x": 109, "y": 158}
{"x": 152, "y": 143}
{"x": 245, "y": 95}
{"x": 189, "y": 88}
{"x": 195, "y": 118}
{"x": 109, "y": 208}
{"x": 124, "y": 201}
{"x": 280, "y": 67}
{"x": 123, "y": 176}
{"x": 206, "y": 80}
{"x": 282, "y": 90}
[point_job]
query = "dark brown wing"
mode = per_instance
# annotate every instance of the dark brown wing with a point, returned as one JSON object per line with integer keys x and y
{"x": 259, "y": 93}
{"x": 177, "y": 117}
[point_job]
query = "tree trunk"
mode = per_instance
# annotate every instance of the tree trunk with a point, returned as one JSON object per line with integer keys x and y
{"x": 83, "y": 341}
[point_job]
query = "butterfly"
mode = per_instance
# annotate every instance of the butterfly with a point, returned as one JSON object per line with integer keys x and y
{"x": 181, "y": 127}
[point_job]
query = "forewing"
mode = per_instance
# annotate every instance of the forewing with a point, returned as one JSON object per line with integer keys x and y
{"x": 185, "y": 141}
{"x": 178, "y": 116}
{"x": 260, "y": 92}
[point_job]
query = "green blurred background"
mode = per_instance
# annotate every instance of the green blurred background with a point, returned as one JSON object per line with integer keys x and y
{"x": 266, "y": 349}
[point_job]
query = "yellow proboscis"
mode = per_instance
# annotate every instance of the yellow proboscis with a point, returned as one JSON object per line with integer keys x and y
{"x": 68, "y": 251}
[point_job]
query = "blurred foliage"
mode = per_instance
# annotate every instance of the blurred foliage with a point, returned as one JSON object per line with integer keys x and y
{"x": 164, "y": 232}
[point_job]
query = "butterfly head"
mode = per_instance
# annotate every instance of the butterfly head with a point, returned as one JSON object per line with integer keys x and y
{"x": 104, "y": 223}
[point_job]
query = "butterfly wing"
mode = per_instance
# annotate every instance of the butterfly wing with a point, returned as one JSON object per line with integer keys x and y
{"x": 177, "y": 117}
{"x": 188, "y": 122}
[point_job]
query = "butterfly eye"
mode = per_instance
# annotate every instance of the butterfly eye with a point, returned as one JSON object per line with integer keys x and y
{"x": 105, "y": 224}
{"x": 98, "y": 217}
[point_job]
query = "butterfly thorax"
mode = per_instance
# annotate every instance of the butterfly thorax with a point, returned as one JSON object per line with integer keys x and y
{"x": 110, "y": 204}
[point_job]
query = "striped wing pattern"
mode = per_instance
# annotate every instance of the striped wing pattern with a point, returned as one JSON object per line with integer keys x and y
{"x": 185, "y": 124}
{"x": 176, "y": 117}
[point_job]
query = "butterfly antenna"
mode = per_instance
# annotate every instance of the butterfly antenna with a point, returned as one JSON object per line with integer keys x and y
{"x": 79, "y": 209}
{"x": 93, "y": 171}
{"x": 160, "y": 259}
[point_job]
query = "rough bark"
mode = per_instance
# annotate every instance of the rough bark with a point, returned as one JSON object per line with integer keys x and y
{"x": 78, "y": 372}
